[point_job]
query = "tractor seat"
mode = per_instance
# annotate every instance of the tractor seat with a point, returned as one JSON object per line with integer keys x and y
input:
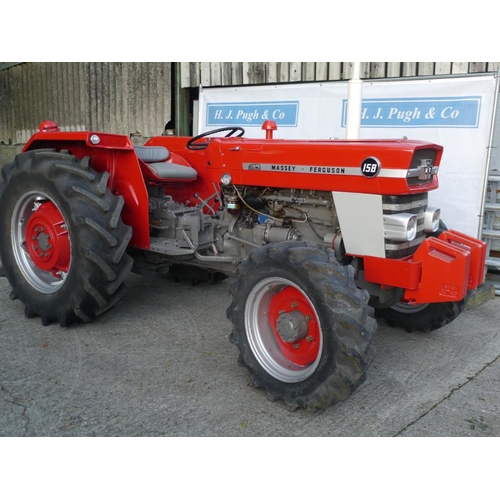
{"x": 155, "y": 157}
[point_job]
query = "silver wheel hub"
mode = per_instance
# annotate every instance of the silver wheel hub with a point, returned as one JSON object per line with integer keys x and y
{"x": 292, "y": 326}
{"x": 404, "y": 308}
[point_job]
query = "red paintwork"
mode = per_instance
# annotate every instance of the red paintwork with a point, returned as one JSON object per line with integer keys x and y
{"x": 440, "y": 270}
{"x": 477, "y": 251}
{"x": 445, "y": 270}
{"x": 305, "y": 351}
{"x": 269, "y": 126}
{"x": 115, "y": 154}
{"x": 227, "y": 155}
{"x": 48, "y": 126}
{"x": 47, "y": 239}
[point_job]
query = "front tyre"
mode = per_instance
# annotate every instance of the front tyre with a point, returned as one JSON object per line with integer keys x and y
{"x": 421, "y": 317}
{"x": 62, "y": 241}
{"x": 302, "y": 328}
{"x": 425, "y": 317}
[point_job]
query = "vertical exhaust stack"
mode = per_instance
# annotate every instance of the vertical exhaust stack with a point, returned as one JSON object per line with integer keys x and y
{"x": 354, "y": 99}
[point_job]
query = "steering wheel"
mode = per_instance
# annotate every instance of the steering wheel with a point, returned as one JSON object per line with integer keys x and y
{"x": 204, "y": 145}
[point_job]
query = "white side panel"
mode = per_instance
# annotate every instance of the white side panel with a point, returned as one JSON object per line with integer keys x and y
{"x": 361, "y": 223}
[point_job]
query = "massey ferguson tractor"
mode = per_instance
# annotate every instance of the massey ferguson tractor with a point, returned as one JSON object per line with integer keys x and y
{"x": 320, "y": 236}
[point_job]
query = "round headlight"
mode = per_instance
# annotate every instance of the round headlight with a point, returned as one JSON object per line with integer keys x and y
{"x": 226, "y": 179}
{"x": 411, "y": 228}
{"x": 400, "y": 227}
{"x": 431, "y": 219}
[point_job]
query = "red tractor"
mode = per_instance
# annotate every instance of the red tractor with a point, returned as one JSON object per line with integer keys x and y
{"x": 320, "y": 236}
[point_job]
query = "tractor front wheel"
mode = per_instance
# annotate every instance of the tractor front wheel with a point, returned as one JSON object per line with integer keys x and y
{"x": 302, "y": 328}
{"x": 425, "y": 317}
{"x": 62, "y": 241}
{"x": 421, "y": 317}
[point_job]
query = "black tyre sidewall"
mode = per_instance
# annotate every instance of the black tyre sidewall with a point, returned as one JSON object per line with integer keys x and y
{"x": 75, "y": 209}
{"x": 327, "y": 323}
{"x": 341, "y": 309}
{"x": 432, "y": 317}
{"x": 39, "y": 302}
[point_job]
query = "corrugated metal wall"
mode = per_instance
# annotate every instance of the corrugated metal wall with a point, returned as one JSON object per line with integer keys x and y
{"x": 125, "y": 97}
{"x": 129, "y": 97}
{"x": 213, "y": 74}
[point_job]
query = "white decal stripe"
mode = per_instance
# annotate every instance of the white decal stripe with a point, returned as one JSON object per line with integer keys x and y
{"x": 322, "y": 169}
{"x": 399, "y": 173}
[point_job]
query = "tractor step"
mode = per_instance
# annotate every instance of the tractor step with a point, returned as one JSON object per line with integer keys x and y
{"x": 169, "y": 246}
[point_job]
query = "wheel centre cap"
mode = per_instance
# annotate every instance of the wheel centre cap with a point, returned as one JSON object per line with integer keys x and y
{"x": 43, "y": 240}
{"x": 292, "y": 326}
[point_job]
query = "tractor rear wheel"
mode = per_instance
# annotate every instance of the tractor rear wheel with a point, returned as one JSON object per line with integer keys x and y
{"x": 62, "y": 241}
{"x": 302, "y": 327}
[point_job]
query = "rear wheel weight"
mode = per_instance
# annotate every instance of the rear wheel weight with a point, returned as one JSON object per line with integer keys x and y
{"x": 61, "y": 237}
{"x": 302, "y": 328}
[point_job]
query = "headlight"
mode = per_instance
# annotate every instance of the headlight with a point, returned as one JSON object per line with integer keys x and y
{"x": 400, "y": 227}
{"x": 226, "y": 179}
{"x": 431, "y": 220}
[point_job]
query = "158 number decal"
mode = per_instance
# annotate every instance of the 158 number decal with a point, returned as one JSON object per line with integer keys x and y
{"x": 370, "y": 167}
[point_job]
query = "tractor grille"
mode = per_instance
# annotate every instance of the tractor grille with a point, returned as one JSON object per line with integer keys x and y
{"x": 422, "y": 169}
{"x": 412, "y": 204}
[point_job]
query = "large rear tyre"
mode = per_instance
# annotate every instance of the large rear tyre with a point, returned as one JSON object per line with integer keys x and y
{"x": 421, "y": 317}
{"x": 62, "y": 241}
{"x": 302, "y": 327}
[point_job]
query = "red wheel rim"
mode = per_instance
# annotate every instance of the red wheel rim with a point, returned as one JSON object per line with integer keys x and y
{"x": 291, "y": 301}
{"x": 47, "y": 239}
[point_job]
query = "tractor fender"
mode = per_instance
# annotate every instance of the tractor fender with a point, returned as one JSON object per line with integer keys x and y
{"x": 107, "y": 152}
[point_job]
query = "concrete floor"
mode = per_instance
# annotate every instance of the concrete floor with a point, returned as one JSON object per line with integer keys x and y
{"x": 160, "y": 364}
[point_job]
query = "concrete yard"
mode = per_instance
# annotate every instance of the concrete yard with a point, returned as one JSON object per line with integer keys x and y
{"x": 160, "y": 364}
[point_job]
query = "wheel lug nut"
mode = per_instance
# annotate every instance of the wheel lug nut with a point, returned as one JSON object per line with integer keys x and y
{"x": 309, "y": 338}
{"x": 308, "y": 318}
{"x": 282, "y": 311}
{"x": 296, "y": 346}
{"x": 294, "y": 305}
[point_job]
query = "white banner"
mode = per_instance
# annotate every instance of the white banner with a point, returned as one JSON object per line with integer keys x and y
{"x": 455, "y": 112}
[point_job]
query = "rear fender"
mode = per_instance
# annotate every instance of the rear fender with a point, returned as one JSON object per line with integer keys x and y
{"x": 116, "y": 155}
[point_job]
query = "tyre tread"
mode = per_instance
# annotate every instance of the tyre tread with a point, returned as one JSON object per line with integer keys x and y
{"x": 94, "y": 215}
{"x": 341, "y": 299}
